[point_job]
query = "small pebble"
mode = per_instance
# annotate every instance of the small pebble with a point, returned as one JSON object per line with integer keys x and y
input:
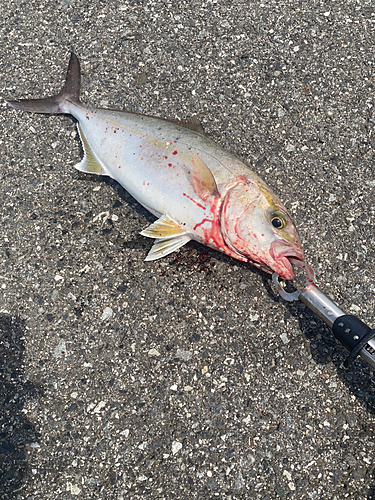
{"x": 107, "y": 313}
{"x": 284, "y": 338}
{"x": 184, "y": 355}
{"x": 153, "y": 352}
{"x": 60, "y": 349}
{"x": 176, "y": 447}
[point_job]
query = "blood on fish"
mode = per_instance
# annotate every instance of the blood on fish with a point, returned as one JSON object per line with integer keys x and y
{"x": 202, "y": 222}
{"x": 191, "y": 199}
{"x": 242, "y": 178}
{"x": 212, "y": 236}
{"x": 222, "y": 210}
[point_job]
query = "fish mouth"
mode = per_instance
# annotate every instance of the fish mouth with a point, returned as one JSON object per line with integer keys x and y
{"x": 281, "y": 251}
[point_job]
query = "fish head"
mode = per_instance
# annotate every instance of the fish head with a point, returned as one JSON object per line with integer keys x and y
{"x": 256, "y": 226}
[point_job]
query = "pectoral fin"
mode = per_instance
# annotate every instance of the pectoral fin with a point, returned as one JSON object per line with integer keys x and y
{"x": 90, "y": 164}
{"x": 203, "y": 181}
{"x": 163, "y": 228}
{"x": 161, "y": 248}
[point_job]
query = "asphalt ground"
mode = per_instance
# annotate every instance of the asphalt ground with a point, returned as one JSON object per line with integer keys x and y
{"x": 185, "y": 377}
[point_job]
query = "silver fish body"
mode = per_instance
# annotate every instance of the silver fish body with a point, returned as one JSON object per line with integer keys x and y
{"x": 196, "y": 189}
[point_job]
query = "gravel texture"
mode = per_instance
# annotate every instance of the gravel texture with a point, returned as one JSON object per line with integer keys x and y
{"x": 185, "y": 377}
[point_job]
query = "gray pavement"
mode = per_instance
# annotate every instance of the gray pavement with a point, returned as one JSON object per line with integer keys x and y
{"x": 185, "y": 377}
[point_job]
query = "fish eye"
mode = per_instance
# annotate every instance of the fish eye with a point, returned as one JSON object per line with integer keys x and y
{"x": 278, "y": 221}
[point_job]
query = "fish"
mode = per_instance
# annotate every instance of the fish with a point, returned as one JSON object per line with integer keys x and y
{"x": 196, "y": 189}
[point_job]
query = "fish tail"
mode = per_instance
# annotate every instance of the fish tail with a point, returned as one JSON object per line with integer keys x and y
{"x": 55, "y": 104}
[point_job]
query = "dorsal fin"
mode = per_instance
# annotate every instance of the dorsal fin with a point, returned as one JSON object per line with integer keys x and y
{"x": 191, "y": 123}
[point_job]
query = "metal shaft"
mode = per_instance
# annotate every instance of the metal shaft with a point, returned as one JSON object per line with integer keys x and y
{"x": 320, "y": 304}
{"x": 355, "y": 335}
{"x": 327, "y": 310}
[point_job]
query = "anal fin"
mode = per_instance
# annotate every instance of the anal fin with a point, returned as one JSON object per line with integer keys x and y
{"x": 89, "y": 164}
{"x": 164, "y": 247}
{"x": 163, "y": 228}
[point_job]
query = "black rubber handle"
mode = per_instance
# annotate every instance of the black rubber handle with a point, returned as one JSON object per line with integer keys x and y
{"x": 353, "y": 334}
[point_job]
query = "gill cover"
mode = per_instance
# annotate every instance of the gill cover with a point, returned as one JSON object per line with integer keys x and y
{"x": 237, "y": 212}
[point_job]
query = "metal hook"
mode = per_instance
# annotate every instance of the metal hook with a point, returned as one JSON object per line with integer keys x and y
{"x": 292, "y": 297}
{"x": 355, "y": 335}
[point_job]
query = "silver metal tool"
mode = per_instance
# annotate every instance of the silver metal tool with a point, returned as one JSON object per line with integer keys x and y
{"x": 355, "y": 335}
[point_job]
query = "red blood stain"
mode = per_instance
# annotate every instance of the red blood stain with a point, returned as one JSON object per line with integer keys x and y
{"x": 202, "y": 222}
{"x": 174, "y": 152}
{"x": 212, "y": 236}
{"x": 140, "y": 145}
{"x": 119, "y": 166}
{"x": 262, "y": 235}
{"x": 169, "y": 164}
{"x": 191, "y": 199}
{"x": 242, "y": 178}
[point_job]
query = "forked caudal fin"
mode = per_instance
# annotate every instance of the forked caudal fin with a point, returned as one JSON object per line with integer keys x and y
{"x": 55, "y": 104}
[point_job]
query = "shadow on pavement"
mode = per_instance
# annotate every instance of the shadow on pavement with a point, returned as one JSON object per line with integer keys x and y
{"x": 325, "y": 349}
{"x": 16, "y": 432}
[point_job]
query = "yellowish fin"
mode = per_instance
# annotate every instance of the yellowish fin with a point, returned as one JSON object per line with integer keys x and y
{"x": 89, "y": 163}
{"x": 161, "y": 248}
{"x": 163, "y": 228}
{"x": 202, "y": 179}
